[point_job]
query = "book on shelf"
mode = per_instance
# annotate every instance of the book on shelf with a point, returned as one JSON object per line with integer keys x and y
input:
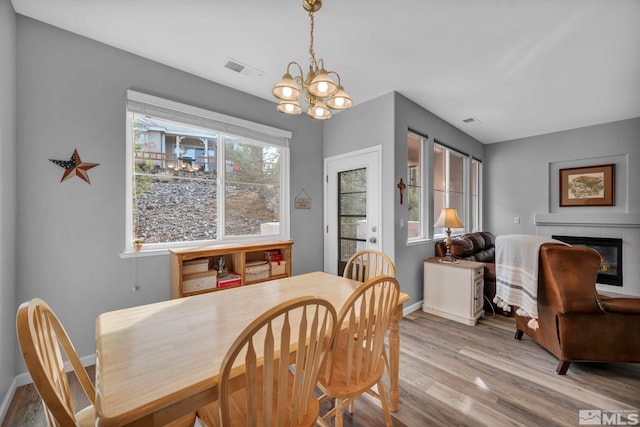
{"x": 229, "y": 279}
{"x": 273, "y": 255}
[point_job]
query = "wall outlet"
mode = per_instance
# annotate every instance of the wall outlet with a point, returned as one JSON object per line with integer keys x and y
{"x": 516, "y": 220}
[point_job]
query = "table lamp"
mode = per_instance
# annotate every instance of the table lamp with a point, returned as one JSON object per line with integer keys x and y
{"x": 448, "y": 219}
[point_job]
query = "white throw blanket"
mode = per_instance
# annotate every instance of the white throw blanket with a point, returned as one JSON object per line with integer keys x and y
{"x": 517, "y": 273}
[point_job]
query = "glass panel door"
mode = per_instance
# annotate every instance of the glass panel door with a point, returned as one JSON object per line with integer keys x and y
{"x": 352, "y": 214}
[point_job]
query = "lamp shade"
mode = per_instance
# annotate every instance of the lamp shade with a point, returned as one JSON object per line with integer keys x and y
{"x": 339, "y": 100}
{"x": 287, "y": 89}
{"x": 322, "y": 85}
{"x": 449, "y": 219}
{"x": 289, "y": 107}
{"x": 318, "y": 110}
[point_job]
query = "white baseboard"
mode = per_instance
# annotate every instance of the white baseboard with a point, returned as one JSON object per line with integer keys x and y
{"x": 25, "y": 378}
{"x": 408, "y": 309}
{"x": 7, "y": 400}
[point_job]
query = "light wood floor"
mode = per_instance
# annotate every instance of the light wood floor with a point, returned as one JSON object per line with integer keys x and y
{"x": 456, "y": 375}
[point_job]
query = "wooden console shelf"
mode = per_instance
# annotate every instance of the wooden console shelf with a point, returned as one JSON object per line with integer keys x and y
{"x": 198, "y": 275}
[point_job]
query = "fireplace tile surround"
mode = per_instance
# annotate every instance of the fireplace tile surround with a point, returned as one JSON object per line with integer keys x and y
{"x": 630, "y": 236}
{"x": 610, "y": 250}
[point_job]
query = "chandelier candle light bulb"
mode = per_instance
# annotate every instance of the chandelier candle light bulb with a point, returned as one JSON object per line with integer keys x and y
{"x": 316, "y": 86}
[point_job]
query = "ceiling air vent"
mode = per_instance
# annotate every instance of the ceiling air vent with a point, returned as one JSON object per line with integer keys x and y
{"x": 234, "y": 66}
{"x": 472, "y": 120}
{"x": 244, "y": 69}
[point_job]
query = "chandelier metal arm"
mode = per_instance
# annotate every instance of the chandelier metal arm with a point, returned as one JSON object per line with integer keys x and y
{"x": 337, "y": 75}
{"x": 299, "y": 79}
{"x": 297, "y": 65}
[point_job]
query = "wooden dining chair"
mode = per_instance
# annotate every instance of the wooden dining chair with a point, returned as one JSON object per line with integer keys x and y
{"x": 356, "y": 362}
{"x": 41, "y": 337}
{"x": 367, "y": 264}
{"x": 269, "y": 373}
{"x": 43, "y": 341}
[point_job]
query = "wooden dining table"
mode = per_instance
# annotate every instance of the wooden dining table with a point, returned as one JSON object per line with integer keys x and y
{"x": 158, "y": 362}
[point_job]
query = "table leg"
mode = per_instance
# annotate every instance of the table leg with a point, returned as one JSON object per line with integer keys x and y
{"x": 394, "y": 358}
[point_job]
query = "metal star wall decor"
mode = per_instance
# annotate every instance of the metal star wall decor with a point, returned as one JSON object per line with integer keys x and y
{"x": 75, "y": 166}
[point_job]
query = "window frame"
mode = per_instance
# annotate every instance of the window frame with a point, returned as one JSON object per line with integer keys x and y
{"x": 466, "y": 186}
{"x": 423, "y": 185}
{"x": 140, "y": 103}
{"x": 473, "y": 205}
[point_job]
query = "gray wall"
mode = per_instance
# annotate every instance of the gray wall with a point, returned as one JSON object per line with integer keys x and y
{"x": 8, "y": 216}
{"x": 366, "y": 125}
{"x": 385, "y": 121}
{"x": 71, "y": 94}
{"x": 517, "y": 181}
{"x": 410, "y": 116}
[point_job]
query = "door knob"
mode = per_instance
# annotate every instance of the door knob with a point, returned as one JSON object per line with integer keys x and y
{"x": 373, "y": 239}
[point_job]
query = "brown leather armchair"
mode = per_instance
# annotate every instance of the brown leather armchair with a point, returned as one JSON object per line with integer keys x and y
{"x": 577, "y": 324}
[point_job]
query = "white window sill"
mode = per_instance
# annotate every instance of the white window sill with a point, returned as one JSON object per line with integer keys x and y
{"x": 418, "y": 242}
{"x": 155, "y": 251}
{"x": 144, "y": 253}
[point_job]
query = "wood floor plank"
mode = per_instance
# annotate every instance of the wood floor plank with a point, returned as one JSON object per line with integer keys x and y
{"x": 483, "y": 383}
{"x": 559, "y": 383}
{"x": 473, "y": 409}
{"x": 428, "y": 347}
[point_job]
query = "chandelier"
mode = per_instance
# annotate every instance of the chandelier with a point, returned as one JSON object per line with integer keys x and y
{"x": 321, "y": 93}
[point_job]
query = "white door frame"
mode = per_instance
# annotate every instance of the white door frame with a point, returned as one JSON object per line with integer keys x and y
{"x": 370, "y": 158}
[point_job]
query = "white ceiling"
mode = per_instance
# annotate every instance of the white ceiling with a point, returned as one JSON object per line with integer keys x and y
{"x": 520, "y": 67}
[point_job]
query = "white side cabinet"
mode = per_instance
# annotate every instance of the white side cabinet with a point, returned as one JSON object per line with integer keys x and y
{"x": 454, "y": 290}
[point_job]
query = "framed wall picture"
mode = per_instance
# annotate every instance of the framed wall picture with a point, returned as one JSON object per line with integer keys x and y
{"x": 588, "y": 186}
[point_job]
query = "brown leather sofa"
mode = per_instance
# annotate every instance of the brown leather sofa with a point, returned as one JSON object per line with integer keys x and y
{"x": 575, "y": 323}
{"x": 479, "y": 246}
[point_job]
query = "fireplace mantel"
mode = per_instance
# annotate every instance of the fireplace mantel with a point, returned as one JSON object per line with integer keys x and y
{"x": 594, "y": 220}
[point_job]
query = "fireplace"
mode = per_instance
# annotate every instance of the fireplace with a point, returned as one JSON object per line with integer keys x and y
{"x": 610, "y": 251}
